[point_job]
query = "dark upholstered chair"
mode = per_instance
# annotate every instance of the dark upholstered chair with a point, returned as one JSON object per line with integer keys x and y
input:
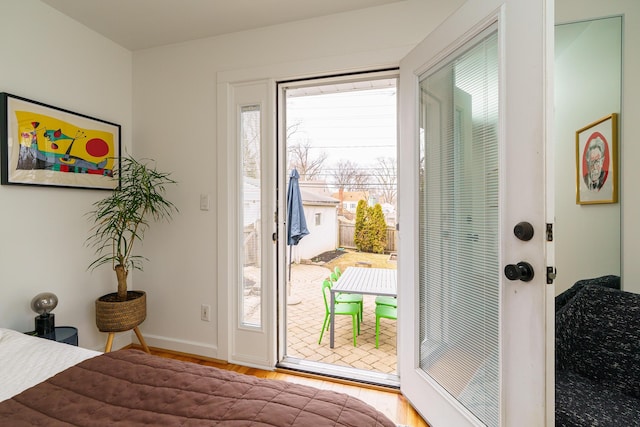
{"x": 598, "y": 356}
{"x": 609, "y": 281}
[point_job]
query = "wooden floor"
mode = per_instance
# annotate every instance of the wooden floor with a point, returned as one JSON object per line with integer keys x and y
{"x": 390, "y": 402}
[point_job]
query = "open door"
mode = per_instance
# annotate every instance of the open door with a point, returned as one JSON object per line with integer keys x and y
{"x": 476, "y": 344}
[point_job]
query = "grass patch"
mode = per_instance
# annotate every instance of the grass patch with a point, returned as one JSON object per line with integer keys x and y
{"x": 350, "y": 258}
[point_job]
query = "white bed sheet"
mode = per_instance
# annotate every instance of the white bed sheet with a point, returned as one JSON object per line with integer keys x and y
{"x": 26, "y": 360}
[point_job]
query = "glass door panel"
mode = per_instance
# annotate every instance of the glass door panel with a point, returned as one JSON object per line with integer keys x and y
{"x": 458, "y": 228}
{"x": 251, "y": 289}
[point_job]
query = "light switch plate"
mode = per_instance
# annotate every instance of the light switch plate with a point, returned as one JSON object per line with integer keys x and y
{"x": 204, "y": 202}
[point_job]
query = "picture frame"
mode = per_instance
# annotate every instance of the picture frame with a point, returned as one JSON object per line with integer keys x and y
{"x": 597, "y": 162}
{"x": 44, "y": 145}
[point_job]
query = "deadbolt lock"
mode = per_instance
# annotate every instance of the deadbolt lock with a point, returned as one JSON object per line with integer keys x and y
{"x": 523, "y": 231}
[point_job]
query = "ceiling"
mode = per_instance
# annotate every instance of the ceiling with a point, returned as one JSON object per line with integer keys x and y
{"x": 142, "y": 24}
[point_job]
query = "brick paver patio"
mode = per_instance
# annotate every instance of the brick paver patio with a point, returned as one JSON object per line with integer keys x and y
{"x": 304, "y": 321}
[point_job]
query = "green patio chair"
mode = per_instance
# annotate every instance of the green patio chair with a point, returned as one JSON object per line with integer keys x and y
{"x": 337, "y": 271}
{"x": 348, "y": 298}
{"x": 384, "y": 300}
{"x": 387, "y": 312}
{"x": 352, "y": 310}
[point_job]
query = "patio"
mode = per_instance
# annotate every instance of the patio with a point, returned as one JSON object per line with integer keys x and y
{"x": 304, "y": 321}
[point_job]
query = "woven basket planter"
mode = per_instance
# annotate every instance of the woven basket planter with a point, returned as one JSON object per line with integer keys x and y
{"x": 119, "y": 316}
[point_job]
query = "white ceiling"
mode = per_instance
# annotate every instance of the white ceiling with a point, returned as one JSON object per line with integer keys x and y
{"x": 141, "y": 24}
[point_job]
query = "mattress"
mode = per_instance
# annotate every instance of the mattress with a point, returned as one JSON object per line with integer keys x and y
{"x": 26, "y": 360}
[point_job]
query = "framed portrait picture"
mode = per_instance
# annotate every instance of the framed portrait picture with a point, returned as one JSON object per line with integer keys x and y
{"x": 597, "y": 162}
{"x": 45, "y": 145}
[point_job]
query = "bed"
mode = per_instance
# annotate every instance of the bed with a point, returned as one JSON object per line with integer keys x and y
{"x": 49, "y": 383}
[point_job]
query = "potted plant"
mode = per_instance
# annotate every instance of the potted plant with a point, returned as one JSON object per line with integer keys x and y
{"x": 120, "y": 220}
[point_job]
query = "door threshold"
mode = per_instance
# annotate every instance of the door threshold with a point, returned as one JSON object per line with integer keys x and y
{"x": 345, "y": 373}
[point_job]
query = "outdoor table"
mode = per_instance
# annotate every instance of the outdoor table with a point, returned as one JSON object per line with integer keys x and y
{"x": 366, "y": 281}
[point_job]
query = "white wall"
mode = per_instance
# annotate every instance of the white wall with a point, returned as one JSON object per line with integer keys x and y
{"x": 574, "y": 10}
{"x": 48, "y": 57}
{"x": 175, "y": 123}
{"x": 321, "y": 238}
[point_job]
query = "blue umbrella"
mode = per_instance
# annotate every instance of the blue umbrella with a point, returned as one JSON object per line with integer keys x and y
{"x": 296, "y": 222}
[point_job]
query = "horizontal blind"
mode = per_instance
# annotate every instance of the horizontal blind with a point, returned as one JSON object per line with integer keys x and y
{"x": 458, "y": 226}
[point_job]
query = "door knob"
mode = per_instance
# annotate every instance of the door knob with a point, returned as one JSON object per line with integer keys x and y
{"x": 520, "y": 271}
{"x": 523, "y": 231}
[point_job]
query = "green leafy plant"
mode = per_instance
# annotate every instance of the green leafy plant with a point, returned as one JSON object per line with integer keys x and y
{"x": 122, "y": 218}
{"x": 377, "y": 229}
{"x": 361, "y": 217}
{"x": 371, "y": 228}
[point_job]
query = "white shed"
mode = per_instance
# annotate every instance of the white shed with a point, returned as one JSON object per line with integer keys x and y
{"x": 320, "y": 211}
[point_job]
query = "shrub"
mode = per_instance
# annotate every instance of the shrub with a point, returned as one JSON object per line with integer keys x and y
{"x": 377, "y": 229}
{"x": 361, "y": 213}
{"x": 371, "y": 228}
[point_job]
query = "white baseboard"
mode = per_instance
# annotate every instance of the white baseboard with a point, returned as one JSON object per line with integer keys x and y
{"x": 182, "y": 346}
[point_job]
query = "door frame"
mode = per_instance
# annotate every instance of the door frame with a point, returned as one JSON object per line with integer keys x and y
{"x": 227, "y": 178}
{"x": 332, "y": 370}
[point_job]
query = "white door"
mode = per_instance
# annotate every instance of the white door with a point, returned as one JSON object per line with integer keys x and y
{"x": 475, "y": 347}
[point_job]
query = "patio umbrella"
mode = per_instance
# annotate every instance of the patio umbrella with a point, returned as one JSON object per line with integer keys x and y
{"x": 296, "y": 222}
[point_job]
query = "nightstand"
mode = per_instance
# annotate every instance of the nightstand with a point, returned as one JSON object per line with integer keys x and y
{"x": 64, "y": 334}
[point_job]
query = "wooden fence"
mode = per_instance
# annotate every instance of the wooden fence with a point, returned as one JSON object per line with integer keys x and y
{"x": 347, "y": 231}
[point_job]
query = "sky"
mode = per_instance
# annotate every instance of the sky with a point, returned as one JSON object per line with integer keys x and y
{"x": 359, "y": 125}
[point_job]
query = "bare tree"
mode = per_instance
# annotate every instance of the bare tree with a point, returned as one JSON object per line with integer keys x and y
{"x": 361, "y": 182}
{"x": 292, "y": 129}
{"x": 309, "y": 167}
{"x": 386, "y": 176}
{"x": 347, "y": 176}
{"x": 250, "y": 136}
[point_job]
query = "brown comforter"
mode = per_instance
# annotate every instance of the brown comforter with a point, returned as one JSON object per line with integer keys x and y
{"x": 130, "y": 388}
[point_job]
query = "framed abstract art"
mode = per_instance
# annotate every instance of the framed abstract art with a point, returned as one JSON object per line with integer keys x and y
{"x": 48, "y": 146}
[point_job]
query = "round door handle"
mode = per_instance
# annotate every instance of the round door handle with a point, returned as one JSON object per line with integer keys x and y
{"x": 520, "y": 271}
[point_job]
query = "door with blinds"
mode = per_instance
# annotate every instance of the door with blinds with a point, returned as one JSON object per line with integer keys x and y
{"x": 458, "y": 260}
{"x": 474, "y": 346}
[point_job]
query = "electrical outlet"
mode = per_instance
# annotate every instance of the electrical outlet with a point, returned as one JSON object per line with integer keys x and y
{"x": 205, "y": 312}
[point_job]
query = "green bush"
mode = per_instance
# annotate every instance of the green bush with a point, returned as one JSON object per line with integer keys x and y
{"x": 371, "y": 228}
{"x": 361, "y": 214}
{"x": 377, "y": 229}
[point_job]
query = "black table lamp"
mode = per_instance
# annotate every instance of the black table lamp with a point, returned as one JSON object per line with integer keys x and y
{"x": 43, "y": 304}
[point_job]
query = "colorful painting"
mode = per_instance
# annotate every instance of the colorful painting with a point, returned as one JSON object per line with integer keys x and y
{"x": 45, "y": 145}
{"x": 596, "y": 162}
